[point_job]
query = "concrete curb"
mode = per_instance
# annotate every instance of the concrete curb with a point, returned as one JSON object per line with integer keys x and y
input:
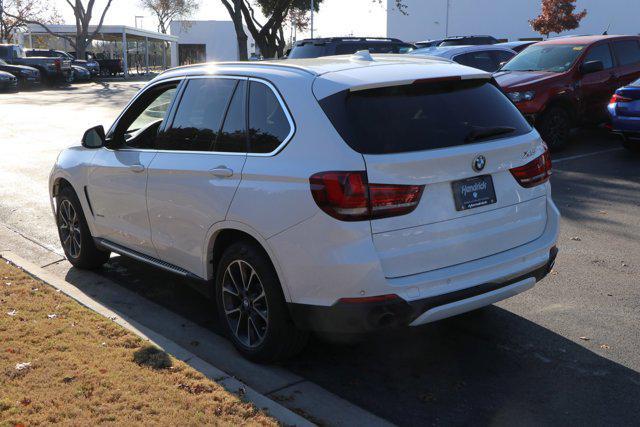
{"x": 279, "y": 412}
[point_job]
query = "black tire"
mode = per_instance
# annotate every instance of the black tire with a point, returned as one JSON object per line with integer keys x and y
{"x": 281, "y": 339}
{"x": 87, "y": 256}
{"x": 555, "y": 128}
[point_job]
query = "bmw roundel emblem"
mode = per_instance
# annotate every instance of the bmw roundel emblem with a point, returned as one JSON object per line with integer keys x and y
{"x": 479, "y": 163}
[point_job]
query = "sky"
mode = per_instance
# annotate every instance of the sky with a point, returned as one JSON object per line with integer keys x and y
{"x": 336, "y": 17}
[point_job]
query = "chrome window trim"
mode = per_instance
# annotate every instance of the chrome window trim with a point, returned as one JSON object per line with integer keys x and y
{"x": 283, "y": 105}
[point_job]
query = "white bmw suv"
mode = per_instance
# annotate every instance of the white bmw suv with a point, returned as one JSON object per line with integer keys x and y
{"x": 342, "y": 194}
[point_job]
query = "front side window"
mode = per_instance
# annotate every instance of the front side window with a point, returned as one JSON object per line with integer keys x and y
{"x": 550, "y": 58}
{"x": 139, "y": 125}
{"x": 199, "y": 115}
{"x": 268, "y": 123}
{"x": 600, "y": 53}
{"x": 627, "y": 52}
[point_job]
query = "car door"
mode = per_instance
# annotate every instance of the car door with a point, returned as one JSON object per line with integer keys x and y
{"x": 117, "y": 180}
{"x": 198, "y": 167}
{"x": 597, "y": 88}
{"x": 627, "y": 53}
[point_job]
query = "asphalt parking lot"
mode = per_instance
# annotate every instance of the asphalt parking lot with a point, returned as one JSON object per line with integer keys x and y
{"x": 565, "y": 352}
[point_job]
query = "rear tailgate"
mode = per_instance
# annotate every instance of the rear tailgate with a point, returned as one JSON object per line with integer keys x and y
{"x": 440, "y": 133}
{"x": 436, "y": 234}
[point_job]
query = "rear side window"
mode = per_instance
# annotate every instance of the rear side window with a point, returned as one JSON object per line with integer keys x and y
{"x": 199, "y": 116}
{"x": 600, "y": 53}
{"x": 627, "y": 52}
{"x": 501, "y": 56}
{"x": 481, "y": 60}
{"x": 423, "y": 116}
{"x": 268, "y": 123}
{"x": 233, "y": 137}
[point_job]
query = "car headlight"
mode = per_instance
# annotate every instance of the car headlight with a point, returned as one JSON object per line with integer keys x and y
{"x": 521, "y": 96}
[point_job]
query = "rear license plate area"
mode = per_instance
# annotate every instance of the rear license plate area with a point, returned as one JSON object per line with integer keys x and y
{"x": 473, "y": 192}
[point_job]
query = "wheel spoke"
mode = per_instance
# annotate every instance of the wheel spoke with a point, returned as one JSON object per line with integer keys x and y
{"x": 244, "y": 303}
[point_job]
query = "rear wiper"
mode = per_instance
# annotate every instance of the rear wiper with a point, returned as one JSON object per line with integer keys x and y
{"x": 478, "y": 133}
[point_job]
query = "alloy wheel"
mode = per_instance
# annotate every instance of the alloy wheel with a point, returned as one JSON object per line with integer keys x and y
{"x": 69, "y": 226}
{"x": 245, "y": 303}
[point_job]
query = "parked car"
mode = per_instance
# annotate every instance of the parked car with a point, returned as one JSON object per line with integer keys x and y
{"x": 624, "y": 108}
{"x": 517, "y": 46}
{"x": 487, "y": 58}
{"x": 468, "y": 40}
{"x": 561, "y": 83}
{"x": 108, "y": 66}
{"x": 91, "y": 65}
{"x": 52, "y": 70}
{"x": 27, "y": 76}
{"x": 296, "y": 191}
{"x": 8, "y": 81}
{"x": 314, "y": 48}
{"x": 80, "y": 74}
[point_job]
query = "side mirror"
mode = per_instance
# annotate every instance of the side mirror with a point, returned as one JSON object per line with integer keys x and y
{"x": 94, "y": 138}
{"x": 592, "y": 67}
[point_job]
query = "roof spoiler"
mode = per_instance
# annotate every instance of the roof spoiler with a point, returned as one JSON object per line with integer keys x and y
{"x": 478, "y": 76}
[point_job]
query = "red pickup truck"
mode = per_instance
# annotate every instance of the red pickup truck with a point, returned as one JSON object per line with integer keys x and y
{"x": 561, "y": 83}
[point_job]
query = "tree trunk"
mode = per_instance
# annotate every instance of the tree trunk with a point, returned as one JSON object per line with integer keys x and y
{"x": 243, "y": 54}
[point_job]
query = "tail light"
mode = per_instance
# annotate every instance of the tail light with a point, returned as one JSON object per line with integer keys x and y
{"x": 619, "y": 98}
{"x": 535, "y": 172}
{"x": 348, "y": 196}
{"x": 58, "y": 64}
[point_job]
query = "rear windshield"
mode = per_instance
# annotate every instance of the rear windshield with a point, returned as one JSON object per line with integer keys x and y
{"x": 307, "y": 50}
{"x": 423, "y": 116}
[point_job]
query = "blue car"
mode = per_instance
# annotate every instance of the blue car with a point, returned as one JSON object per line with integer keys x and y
{"x": 624, "y": 109}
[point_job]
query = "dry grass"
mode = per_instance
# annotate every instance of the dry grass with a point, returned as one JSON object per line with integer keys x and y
{"x": 85, "y": 370}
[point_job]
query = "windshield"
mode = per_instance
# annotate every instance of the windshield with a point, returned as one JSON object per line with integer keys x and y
{"x": 551, "y": 58}
{"x": 636, "y": 83}
{"x": 307, "y": 50}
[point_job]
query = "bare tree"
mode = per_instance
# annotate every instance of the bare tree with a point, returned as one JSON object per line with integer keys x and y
{"x": 169, "y": 10}
{"x": 16, "y": 12}
{"x": 269, "y": 36}
{"x": 83, "y": 15}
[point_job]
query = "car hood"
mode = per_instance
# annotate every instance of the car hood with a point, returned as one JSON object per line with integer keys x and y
{"x": 519, "y": 79}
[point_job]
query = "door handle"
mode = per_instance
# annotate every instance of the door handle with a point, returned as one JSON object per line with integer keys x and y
{"x": 136, "y": 168}
{"x": 221, "y": 172}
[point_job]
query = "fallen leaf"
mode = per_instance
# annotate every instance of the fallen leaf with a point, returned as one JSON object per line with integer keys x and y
{"x": 26, "y": 401}
{"x": 605, "y": 347}
{"x": 52, "y": 316}
{"x": 242, "y": 391}
{"x": 12, "y": 312}
{"x": 576, "y": 238}
{"x": 585, "y": 338}
{"x": 602, "y": 212}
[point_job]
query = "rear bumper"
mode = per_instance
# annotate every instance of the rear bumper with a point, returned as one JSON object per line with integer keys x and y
{"x": 354, "y": 318}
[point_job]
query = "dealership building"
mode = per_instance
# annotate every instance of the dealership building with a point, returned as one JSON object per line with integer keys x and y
{"x": 503, "y": 19}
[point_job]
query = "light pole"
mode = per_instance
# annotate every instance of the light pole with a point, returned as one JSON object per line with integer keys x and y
{"x": 446, "y": 25}
{"x": 312, "y": 10}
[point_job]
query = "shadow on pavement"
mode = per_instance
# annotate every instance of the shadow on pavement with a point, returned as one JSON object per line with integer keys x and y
{"x": 486, "y": 367}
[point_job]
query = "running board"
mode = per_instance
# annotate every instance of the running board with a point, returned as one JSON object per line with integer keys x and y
{"x": 114, "y": 247}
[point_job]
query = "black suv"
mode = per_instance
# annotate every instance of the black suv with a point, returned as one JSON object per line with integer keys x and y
{"x": 314, "y": 48}
{"x": 468, "y": 41}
